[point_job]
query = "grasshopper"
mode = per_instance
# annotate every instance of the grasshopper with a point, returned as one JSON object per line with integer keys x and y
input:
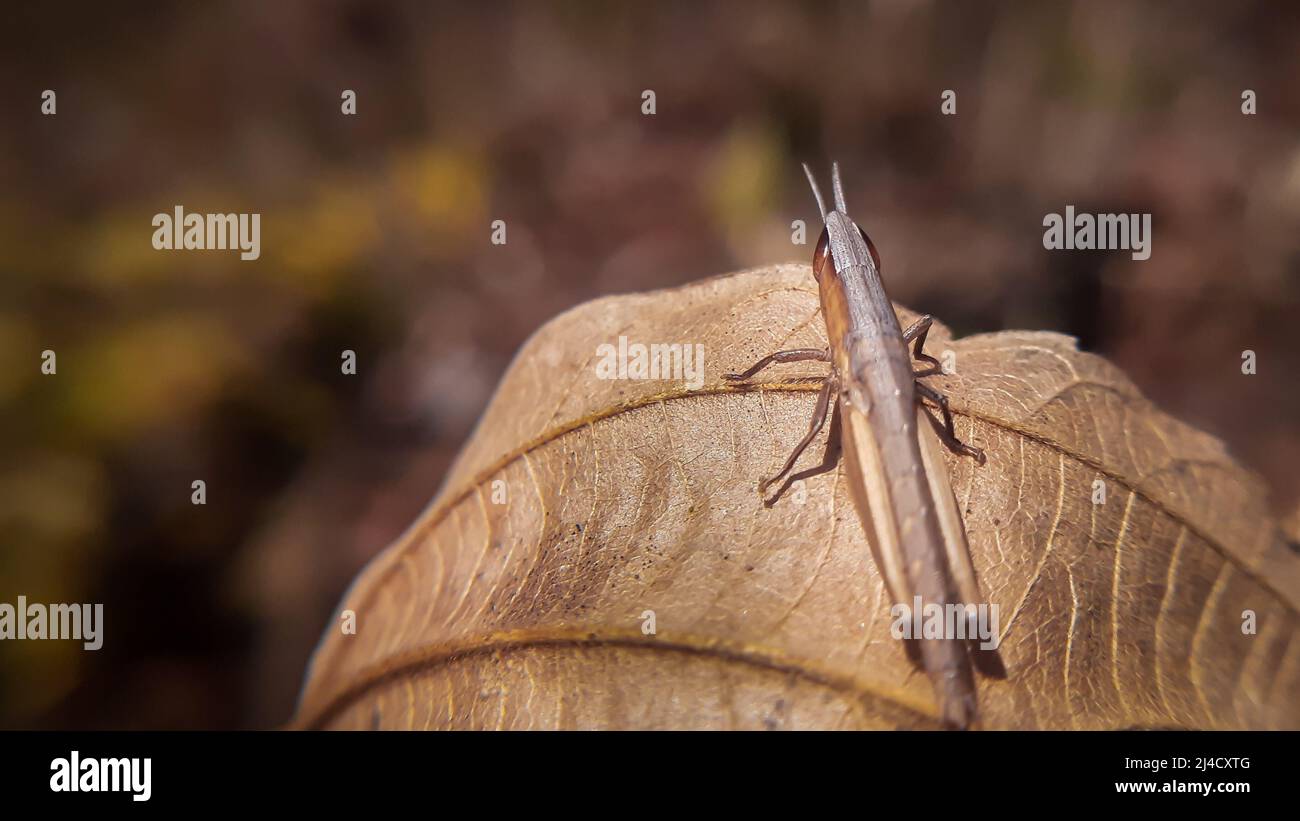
{"x": 896, "y": 475}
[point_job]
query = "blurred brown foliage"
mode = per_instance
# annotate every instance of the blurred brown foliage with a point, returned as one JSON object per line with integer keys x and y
{"x": 375, "y": 237}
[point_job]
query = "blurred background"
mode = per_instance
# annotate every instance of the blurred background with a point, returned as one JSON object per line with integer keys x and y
{"x": 376, "y": 238}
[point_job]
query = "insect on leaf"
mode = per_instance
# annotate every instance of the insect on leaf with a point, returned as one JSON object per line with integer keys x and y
{"x": 633, "y": 578}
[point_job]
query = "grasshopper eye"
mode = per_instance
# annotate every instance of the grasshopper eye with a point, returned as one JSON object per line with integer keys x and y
{"x": 871, "y": 246}
{"x": 822, "y": 261}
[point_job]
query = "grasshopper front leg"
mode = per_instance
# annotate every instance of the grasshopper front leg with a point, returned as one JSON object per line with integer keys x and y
{"x": 792, "y": 355}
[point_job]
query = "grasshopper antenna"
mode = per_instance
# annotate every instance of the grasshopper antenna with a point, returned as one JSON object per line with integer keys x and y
{"x": 839, "y": 189}
{"x": 817, "y": 192}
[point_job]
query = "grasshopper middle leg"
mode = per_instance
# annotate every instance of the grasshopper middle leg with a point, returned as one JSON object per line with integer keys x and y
{"x": 830, "y": 388}
{"x": 945, "y": 429}
{"x": 916, "y": 333}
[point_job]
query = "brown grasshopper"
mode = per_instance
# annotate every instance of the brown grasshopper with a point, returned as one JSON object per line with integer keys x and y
{"x": 897, "y": 477}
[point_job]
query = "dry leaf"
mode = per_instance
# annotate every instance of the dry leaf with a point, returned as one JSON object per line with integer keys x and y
{"x": 627, "y": 498}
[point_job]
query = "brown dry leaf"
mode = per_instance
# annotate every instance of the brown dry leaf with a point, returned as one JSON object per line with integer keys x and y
{"x": 633, "y": 496}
